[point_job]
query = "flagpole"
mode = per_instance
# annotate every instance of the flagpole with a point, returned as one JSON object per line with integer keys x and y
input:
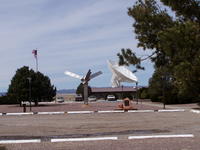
{"x": 36, "y": 58}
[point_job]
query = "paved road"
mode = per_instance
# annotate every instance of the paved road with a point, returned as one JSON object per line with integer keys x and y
{"x": 120, "y": 125}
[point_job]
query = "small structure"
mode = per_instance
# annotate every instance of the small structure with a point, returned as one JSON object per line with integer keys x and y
{"x": 126, "y": 105}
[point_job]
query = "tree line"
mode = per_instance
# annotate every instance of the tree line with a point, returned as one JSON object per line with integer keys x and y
{"x": 170, "y": 30}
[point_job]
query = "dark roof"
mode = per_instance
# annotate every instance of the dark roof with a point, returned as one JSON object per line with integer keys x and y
{"x": 110, "y": 89}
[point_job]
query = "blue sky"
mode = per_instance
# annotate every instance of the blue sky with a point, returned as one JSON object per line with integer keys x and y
{"x": 73, "y": 35}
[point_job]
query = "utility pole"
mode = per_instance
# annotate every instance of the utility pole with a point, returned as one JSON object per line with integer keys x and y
{"x": 85, "y": 89}
{"x": 29, "y": 79}
{"x": 137, "y": 92}
{"x": 122, "y": 92}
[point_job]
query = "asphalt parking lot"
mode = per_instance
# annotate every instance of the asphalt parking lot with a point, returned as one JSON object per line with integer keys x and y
{"x": 120, "y": 125}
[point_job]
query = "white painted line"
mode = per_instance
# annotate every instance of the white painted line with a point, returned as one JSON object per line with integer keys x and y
{"x": 80, "y": 112}
{"x": 50, "y": 113}
{"x": 162, "y": 136}
{"x": 111, "y": 111}
{"x": 171, "y": 110}
{"x": 140, "y": 110}
{"x": 83, "y": 139}
{"x": 20, "y": 141}
{"x": 11, "y": 114}
{"x": 195, "y": 111}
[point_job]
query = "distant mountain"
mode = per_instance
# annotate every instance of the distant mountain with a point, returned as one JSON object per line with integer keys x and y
{"x": 2, "y": 93}
{"x": 66, "y": 91}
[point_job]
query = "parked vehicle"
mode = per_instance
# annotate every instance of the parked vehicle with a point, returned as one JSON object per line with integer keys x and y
{"x": 60, "y": 99}
{"x": 78, "y": 97}
{"x": 111, "y": 98}
{"x": 92, "y": 98}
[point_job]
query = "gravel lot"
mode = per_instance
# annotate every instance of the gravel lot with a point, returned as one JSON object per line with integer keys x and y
{"x": 95, "y": 106}
{"x": 150, "y": 144}
{"x": 78, "y": 125}
{"x": 121, "y": 125}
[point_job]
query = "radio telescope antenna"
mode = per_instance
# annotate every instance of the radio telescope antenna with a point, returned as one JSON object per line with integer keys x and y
{"x": 120, "y": 74}
{"x": 84, "y": 79}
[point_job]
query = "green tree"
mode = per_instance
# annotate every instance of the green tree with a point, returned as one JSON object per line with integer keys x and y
{"x": 19, "y": 88}
{"x": 41, "y": 88}
{"x": 143, "y": 93}
{"x": 80, "y": 90}
{"x": 174, "y": 43}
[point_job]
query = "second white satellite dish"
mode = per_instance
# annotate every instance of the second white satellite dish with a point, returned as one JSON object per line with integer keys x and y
{"x": 71, "y": 74}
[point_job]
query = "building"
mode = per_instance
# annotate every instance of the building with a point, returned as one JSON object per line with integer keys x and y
{"x": 119, "y": 92}
{"x": 103, "y": 92}
{"x": 66, "y": 96}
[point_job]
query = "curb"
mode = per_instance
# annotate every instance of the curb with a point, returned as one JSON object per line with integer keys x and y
{"x": 92, "y": 112}
{"x": 83, "y": 139}
{"x": 171, "y": 110}
{"x": 19, "y": 114}
{"x": 110, "y": 111}
{"x": 137, "y": 111}
{"x": 53, "y": 140}
{"x": 79, "y": 112}
{"x": 51, "y": 113}
{"x": 195, "y": 111}
{"x": 20, "y": 141}
{"x": 162, "y": 136}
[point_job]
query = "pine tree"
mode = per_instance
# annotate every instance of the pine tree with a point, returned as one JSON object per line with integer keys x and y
{"x": 174, "y": 43}
{"x": 41, "y": 88}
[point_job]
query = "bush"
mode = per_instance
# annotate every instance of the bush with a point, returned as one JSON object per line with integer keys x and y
{"x": 7, "y": 100}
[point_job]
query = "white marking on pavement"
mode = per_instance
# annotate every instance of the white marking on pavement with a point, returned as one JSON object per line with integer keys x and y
{"x": 19, "y": 114}
{"x": 50, "y": 113}
{"x": 162, "y": 136}
{"x": 80, "y": 112}
{"x": 20, "y": 141}
{"x": 171, "y": 110}
{"x": 111, "y": 111}
{"x": 83, "y": 139}
{"x": 195, "y": 111}
{"x": 140, "y": 110}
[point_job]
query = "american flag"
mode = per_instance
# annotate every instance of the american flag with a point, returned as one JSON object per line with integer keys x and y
{"x": 34, "y": 52}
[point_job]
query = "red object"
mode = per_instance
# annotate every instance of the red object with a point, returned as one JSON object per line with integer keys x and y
{"x": 34, "y": 52}
{"x": 126, "y": 105}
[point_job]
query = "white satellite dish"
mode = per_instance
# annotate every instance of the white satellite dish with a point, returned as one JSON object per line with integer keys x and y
{"x": 71, "y": 74}
{"x": 120, "y": 74}
{"x": 84, "y": 79}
